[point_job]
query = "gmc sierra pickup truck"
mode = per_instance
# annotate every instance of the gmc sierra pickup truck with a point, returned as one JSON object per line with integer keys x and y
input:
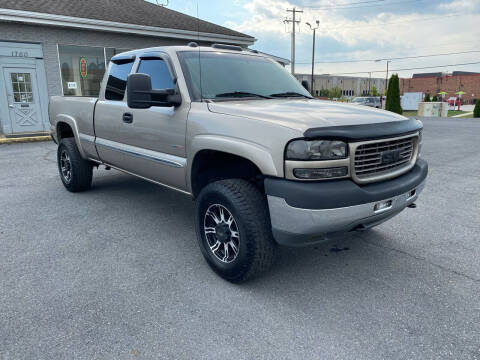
{"x": 265, "y": 162}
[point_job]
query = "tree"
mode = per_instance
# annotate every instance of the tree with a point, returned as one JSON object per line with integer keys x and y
{"x": 393, "y": 95}
{"x": 427, "y": 98}
{"x": 335, "y": 92}
{"x": 476, "y": 111}
{"x": 374, "y": 91}
{"x": 435, "y": 98}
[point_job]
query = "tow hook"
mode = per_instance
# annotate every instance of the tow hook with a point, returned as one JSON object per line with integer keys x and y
{"x": 412, "y": 206}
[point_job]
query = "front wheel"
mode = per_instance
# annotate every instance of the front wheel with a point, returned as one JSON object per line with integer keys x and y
{"x": 233, "y": 229}
{"x": 75, "y": 172}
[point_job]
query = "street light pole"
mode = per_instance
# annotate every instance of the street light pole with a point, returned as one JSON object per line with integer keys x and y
{"x": 386, "y": 77}
{"x": 313, "y": 53}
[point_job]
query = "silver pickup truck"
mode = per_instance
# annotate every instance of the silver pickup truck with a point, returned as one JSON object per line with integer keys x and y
{"x": 265, "y": 162}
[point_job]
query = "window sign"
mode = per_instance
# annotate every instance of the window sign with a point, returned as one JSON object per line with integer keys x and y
{"x": 72, "y": 85}
{"x": 83, "y": 67}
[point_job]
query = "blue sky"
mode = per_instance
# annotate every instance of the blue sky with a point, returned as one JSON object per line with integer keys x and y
{"x": 355, "y": 29}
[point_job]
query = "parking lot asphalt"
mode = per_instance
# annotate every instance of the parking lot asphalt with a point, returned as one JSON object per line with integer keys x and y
{"x": 116, "y": 273}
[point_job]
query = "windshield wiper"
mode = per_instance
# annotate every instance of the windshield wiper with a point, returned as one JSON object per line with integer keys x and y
{"x": 290, "y": 94}
{"x": 235, "y": 94}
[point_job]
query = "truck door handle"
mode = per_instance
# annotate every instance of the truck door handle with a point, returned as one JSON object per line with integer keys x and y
{"x": 127, "y": 118}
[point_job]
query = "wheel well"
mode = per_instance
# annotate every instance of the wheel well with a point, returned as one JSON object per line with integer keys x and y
{"x": 64, "y": 131}
{"x": 209, "y": 166}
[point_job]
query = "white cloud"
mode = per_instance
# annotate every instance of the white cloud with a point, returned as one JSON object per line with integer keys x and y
{"x": 384, "y": 34}
{"x": 460, "y": 5}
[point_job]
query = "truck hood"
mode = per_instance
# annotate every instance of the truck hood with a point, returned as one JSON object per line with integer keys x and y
{"x": 303, "y": 114}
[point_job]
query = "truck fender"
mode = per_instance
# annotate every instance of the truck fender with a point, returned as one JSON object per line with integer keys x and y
{"x": 67, "y": 119}
{"x": 256, "y": 153}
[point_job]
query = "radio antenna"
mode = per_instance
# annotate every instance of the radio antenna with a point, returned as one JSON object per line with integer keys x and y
{"x": 199, "y": 57}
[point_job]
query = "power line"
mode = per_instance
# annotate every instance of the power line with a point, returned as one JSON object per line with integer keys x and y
{"x": 364, "y": 6}
{"x": 391, "y": 58}
{"x": 402, "y": 22}
{"x": 414, "y": 68}
{"x": 340, "y": 7}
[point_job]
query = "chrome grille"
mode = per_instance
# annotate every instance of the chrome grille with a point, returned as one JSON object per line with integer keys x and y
{"x": 378, "y": 160}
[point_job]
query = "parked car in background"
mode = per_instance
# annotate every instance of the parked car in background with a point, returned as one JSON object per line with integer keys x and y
{"x": 371, "y": 101}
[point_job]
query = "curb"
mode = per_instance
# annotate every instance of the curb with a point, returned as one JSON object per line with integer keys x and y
{"x": 4, "y": 140}
{"x": 468, "y": 114}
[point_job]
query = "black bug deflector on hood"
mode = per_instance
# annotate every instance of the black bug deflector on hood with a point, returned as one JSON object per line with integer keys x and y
{"x": 365, "y": 131}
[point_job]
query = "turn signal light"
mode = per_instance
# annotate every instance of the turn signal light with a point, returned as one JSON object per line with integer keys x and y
{"x": 325, "y": 173}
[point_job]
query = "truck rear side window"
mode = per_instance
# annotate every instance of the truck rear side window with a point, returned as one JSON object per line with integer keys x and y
{"x": 117, "y": 80}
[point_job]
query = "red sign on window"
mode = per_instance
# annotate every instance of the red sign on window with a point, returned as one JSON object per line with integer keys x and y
{"x": 83, "y": 67}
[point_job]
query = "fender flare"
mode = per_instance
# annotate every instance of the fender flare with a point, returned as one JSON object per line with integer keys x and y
{"x": 67, "y": 119}
{"x": 257, "y": 154}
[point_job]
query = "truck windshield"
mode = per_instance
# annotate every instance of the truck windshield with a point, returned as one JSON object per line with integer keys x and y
{"x": 228, "y": 76}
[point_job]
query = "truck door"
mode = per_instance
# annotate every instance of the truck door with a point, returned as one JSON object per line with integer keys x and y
{"x": 146, "y": 142}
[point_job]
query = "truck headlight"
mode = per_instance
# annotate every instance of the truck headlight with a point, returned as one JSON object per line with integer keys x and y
{"x": 316, "y": 150}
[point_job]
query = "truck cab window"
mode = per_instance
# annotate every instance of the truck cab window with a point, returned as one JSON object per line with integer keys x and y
{"x": 159, "y": 73}
{"x": 117, "y": 80}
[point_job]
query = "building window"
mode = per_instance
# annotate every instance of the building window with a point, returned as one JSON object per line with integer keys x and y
{"x": 22, "y": 88}
{"x": 117, "y": 80}
{"x": 82, "y": 69}
{"x": 111, "y": 52}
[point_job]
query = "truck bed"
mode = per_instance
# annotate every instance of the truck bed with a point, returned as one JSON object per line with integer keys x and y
{"x": 78, "y": 113}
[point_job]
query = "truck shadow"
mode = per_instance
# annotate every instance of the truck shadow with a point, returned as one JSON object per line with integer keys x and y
{"x": 164, "y": 207}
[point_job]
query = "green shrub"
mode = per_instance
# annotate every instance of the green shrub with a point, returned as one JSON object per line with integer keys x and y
{"x": 324, "y": 93}
{"x": 427, "y": 98}
{"x": 476, "y": 111}
{"x": 335, "y": 92}
{"x": 435, "y": 98}
{"x": 393, "y": 95}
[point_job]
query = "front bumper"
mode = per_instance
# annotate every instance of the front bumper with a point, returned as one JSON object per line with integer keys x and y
{"x": 303, "y": 213}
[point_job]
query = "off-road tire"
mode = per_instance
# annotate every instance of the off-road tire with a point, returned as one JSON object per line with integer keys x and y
{"x": 249, "y": 208}
{"x": 81, "y": 169}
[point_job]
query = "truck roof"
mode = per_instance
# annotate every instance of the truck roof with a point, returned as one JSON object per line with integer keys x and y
{"x": 191, "y": 47}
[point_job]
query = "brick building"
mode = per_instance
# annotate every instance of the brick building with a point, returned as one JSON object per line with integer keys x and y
{"x": 60, "y": 47}
{"x": 433, "y": 83}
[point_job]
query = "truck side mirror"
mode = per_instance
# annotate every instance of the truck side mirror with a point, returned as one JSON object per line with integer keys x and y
{"x": 141, "y": 96}
{"x": 305, "y": 85}
{"x": 139, "y": 89}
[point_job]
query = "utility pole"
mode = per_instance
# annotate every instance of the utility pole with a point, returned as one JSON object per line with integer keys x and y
{"x": 313, "y": 52}
{"x": 293, "y": 20}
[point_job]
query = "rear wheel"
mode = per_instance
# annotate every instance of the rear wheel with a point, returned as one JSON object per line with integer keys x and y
{"x": 75, "y": 172}
{"x": 233, "y": 229}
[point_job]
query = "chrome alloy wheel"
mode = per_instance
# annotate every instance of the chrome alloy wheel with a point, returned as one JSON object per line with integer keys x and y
{"x": 221, "y": 232}
{"x": 66, "y": 166}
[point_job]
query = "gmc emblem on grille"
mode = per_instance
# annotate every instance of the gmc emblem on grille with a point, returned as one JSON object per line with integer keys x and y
{"x": 391, "y": 156}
